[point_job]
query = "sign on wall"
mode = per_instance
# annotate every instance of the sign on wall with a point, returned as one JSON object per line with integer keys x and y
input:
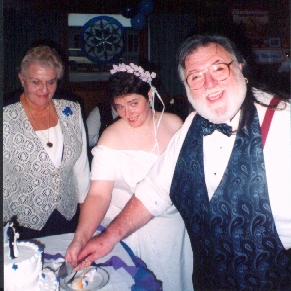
{"x": 268, "y": 56}
{"x": 254, "y": 21}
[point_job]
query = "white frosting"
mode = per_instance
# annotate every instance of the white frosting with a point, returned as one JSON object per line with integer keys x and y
{"x": 25, "y": 271}
{"x": 49, "y": 281}
{"x": 89, "y": 276}
{"x": 83, "y": 279}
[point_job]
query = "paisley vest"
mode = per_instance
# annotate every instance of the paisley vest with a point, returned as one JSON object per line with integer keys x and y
{"x": 233, "y": 236}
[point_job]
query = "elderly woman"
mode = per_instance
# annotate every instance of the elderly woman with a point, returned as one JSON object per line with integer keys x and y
{"x": 46, "y": 170}
{"x": 125, "y": 153}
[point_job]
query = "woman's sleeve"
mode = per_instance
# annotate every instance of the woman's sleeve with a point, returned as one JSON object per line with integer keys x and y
{"x": 103, "y": 162}
{"x": 81, "y": 168}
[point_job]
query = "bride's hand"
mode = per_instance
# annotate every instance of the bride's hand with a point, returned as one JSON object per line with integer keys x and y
{"x": 73, "y": 251}
{"x": 96, "y": 248}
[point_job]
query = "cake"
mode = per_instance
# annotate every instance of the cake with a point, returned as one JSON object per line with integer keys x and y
{"x": 25, "y": 272}
{"x": 83, "y": 279}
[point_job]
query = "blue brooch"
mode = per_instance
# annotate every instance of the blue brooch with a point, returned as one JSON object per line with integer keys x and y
{"x": 14, "y": 267}
{"x": 67, "y": 111}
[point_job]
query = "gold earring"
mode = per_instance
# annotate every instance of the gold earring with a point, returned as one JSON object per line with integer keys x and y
{"x": 247, "y": 80}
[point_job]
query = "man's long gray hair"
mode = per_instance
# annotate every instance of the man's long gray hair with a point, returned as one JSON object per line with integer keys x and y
{"x": 194, "y": 42}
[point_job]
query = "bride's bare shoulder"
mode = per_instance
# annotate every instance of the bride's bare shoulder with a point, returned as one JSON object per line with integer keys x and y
{"x": 113, "y": 134}
{"x": 171, "y": 121}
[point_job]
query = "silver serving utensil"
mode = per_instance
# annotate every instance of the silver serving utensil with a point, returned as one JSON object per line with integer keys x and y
{"x": 65, "y": 269}
{"x": 71, "y": 280}
{"x": 73, "y": 277}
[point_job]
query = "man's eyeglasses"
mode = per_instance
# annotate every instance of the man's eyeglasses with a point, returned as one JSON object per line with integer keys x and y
{"x": 219, "y": 71}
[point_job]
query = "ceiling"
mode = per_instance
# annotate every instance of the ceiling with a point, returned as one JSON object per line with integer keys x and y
{"x": 160, "y": 6}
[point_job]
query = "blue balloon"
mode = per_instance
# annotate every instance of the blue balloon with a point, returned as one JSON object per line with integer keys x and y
{"x": 146, "y": 6}
{"x": 129, "y": 11}
{"x": 138, "y": 21}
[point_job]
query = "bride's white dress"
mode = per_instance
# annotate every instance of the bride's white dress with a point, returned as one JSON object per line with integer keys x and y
{"x": 163, "y": 244}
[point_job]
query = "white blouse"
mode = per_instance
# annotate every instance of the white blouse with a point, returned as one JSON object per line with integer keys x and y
{"x": 55, "y": 136}
{"x": 55, "y": 154}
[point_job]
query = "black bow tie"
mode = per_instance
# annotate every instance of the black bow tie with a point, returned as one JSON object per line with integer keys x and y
{"x": 208, "y": 127}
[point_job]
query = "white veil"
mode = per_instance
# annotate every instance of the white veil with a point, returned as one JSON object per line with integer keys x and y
{"x": 156, "y": 124}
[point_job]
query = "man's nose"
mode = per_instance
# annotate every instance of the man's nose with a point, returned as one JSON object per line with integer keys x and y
{"x": 209, "y": 81}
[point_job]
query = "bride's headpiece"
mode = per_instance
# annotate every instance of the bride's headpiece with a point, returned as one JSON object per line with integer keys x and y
{"x": 138, "y": 71}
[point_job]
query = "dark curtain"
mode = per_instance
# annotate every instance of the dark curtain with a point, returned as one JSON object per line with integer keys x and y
{"x": 23, "y": 29}
{"x": 1, "y": 99}
{"x": 166, "y": 33}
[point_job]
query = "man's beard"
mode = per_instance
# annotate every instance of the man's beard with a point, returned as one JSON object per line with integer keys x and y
{"x": 213, "y": 114}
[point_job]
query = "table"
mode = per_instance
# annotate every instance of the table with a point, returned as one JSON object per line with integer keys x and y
{"x": 126, "y": 271}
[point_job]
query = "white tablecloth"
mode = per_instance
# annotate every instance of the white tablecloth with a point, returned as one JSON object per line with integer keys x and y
{"x": 120, "y": 274}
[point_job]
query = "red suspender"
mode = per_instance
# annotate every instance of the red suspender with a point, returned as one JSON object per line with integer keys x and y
{"x": 268, "y": 119}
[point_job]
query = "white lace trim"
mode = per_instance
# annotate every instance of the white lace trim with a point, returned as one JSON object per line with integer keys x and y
{"x": 32, "y": 186}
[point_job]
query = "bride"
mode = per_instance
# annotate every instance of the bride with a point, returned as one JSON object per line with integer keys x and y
{"x": 123, "y": 156}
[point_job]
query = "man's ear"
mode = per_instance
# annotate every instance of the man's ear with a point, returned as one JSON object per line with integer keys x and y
{"x": 240, "y": 66}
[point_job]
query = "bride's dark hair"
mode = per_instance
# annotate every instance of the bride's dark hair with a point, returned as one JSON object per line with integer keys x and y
{"x": 123, "y": 83}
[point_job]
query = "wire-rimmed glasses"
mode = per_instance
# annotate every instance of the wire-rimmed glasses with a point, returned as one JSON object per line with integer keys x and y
{"x": 219, "y": 71}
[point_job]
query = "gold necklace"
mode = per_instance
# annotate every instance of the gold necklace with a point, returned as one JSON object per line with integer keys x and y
{"x": 140, "y": 134}
{"x": 49, "y": 144}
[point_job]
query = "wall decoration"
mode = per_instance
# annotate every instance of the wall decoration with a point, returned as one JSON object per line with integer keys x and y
{"x": 102, "y": 39}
